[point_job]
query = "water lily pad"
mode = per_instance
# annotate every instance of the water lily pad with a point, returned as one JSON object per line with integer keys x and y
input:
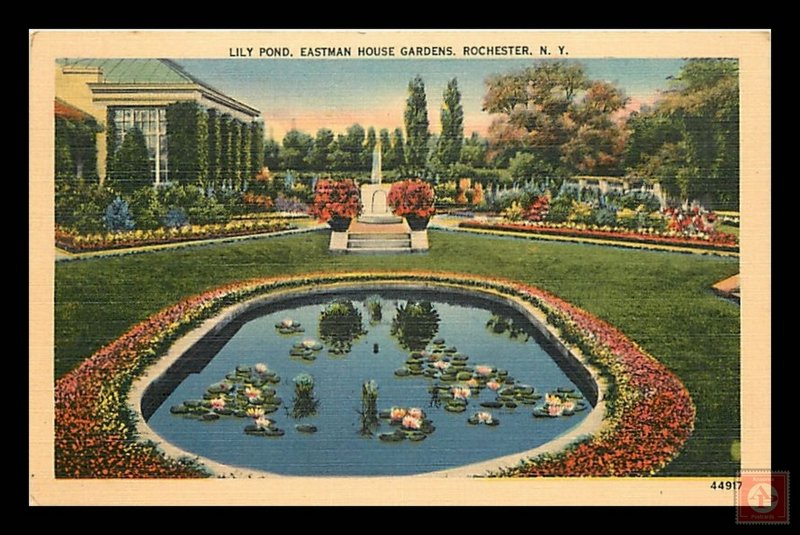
{"x": 224, "y": 411}
{"x": 306, "y": 428}
{"x": 455, "y": 407}
{"x": 269, "y": 409}
{"x": 297, "y": 352}
{"x": 416, "y": 436}
{"x": 179, "y": 409}
{"x": 274, "y": 432}
{"x": 581, "y": 406}
{"x": 191, "y": 403}
{"x": 451, "y": 350}
{"x": 574, "y": 395}
{"x": 510, "y": 404}
{"x": 240, "y": 414}
{"x": 402, "y": 372}
{"x": 210, "y": 416}
{"x": 415, "y": 371}
{"x": 524, "y": 389}
{"x": 232, "y": 376}
{"x": 384, "y": 415}
{"x": 427, "y": 427}
{"x": 414, "y": 362}
{"x": 438, "y": 341}
{"x": 493, "y": 422}
{"x": 501, "y": 372}
{"x": 508, "y": 380}
{"x": 541, "y": 413}
{"x": 309, "y": 357}
{"x": 447, "y": 377}
{"x": 460, "y": 358}
{"x": 458, "y": 364}
{"x": 430, "y": 373}
{"x": 492, "y": 404}
{"x": 473, "y": 420}
{"x": 391, "y": 437}
{"x": 565, "y": 389}
{"x": 243, "y": 369}
{"x": 463, "y": 376}
{"x": 255, "y": 430}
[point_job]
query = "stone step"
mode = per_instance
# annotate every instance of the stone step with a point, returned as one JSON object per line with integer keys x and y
{"x": 379, "y": 250}
{"x": 379, "y": 244}
{"x": 379, "y": 236}
{"x": 380, "y": 219}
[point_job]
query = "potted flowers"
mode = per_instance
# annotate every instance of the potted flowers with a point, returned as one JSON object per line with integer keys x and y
{"x": 412, "y": 199}
{"x": 337, "y": 202}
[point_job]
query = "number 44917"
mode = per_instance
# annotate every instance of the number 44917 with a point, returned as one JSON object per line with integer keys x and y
{"x": 726, "y": 485}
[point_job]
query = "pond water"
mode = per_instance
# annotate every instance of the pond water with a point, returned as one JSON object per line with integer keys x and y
{"x": 374, "y": 347}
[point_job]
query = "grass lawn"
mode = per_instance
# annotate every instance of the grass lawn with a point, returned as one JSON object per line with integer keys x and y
{"x": 661, "y": 300}
{"x": 728, "y": 229}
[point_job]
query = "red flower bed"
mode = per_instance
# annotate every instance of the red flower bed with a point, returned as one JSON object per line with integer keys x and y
{"x": 336, "y": 198}
{"x": 411, "y": 197}
{"x": 717, "y": 242}
{"x": 649, "y": 413}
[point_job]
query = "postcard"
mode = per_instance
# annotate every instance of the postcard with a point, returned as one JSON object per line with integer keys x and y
{"x": 401, "y": 267}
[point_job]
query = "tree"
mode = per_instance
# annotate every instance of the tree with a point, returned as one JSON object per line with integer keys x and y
{"x": 213, "y": 147}
{"x": 321, "y": 157}
{"x": 132, "y": 163}
{"x": 272, "y": 151}
{"x": 350, "y": 149}
{"x": 297, "y": 147}
{"x": 539, "y": 111}
{"x": 187, "y": 138}
{"x": 225, "y": 151}
{"x": 396, "y": 157}
{"x": 256, "y": 147}
{"x": 416, "y": 123}
{"x": 451, "y": 139}
{"x": 473, "y": 153}
{"x": 690, "y": 139}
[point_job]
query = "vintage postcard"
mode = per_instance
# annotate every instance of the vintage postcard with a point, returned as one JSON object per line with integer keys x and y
{"x": 401, "y": 267}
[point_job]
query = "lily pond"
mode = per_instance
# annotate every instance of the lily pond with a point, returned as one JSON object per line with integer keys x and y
{"x": 393, "y": 382}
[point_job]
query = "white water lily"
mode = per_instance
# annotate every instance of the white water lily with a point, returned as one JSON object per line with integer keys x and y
{"x": 261, "y": 368}
{"x": 484, "y": 417}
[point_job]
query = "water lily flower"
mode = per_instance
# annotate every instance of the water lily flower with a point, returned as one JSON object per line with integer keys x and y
{"x": 552, "y": 399}
{"x": 261, "y": 368}
{"x": 288, "y": 322}
{"x": 568, "y": 406}
{"x": 397, "y": 413}
{"x": 493, "y": 385}
{"x": 555, "y": 410}
{"x": 484, "y": 417}
{"x": 483, "y": 370}
{"x": 252, "y": 393}
{"x": 255, "y": 412}
{"x": 262, "y": 422}
{"x": 472, "y": 383}
{"x": 409, "y": 422}
{"x": 460, "y": 392}
{"x": 415, "y": 412}
{"x": 308, "y": 344}
{"x": 217, "y": 403}
{"x": 442, "y": 365}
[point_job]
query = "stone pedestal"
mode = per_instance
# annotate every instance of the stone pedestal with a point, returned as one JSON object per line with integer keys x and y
{"x": 375, "y": 209}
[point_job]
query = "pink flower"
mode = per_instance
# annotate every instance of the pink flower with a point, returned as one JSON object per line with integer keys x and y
{"x": 472, "y": 383}
{"x": 460, "y": 392}
{"x": 397, "y": 413}
{"x": 409, "y": 422}
{"x": 262, "y": 422}
{"x": 555, "y": 410}
{"x": 217, "y": 403}
{"x": 252, "y": 393}
{"x": 483, "y": 370}
{"x": 442, "y": 365}
{"x": 568, "y": 406}
{"x": 484, "y": 417}
{"x": 416, "y": 413}
{"x": 493, "y": 385}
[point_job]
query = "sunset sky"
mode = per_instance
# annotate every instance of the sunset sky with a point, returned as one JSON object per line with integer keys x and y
{"x": 310, "y": 94}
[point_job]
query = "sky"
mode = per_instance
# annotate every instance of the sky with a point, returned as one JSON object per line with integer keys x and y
{"x": 309, "y": 94}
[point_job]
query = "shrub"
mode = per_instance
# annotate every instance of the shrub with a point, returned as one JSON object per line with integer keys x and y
{"x": 148, "y": 208}
{"x": 176, "y": 217}
{"x": 118, "y": 216}
{"x": 80, "y": 207}
{"x": 336, "y": 198}
{"x": 411, "y": 197}
{"x": 580, "y": 212}
{"x": 207, "y": 210}
{"x": 634, "y": 199}
{"x": 131, "y": 169}
{"x": 604, "y": 217}
{"x": 514, "y": 212}
{"x": 560, "y": 209}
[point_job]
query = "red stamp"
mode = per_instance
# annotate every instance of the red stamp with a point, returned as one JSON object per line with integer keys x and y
{"x": 762, "y": 497}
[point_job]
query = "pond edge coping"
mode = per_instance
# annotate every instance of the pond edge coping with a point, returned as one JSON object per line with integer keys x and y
{"x": 590, "y": 425}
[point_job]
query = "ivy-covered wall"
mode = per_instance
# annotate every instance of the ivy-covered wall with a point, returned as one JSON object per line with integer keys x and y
{"x": 76, "y": 149}
{"x": 213, "y": 148}
{"x": 187, "y": 139}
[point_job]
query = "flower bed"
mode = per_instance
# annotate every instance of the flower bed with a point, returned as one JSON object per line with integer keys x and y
{"x": 649, "y": 413}
{"x": 716, "y": 242}
{"x": 77, "y": 243}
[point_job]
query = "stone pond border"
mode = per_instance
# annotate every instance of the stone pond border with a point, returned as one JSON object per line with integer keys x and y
{"x": 642, "y": 419}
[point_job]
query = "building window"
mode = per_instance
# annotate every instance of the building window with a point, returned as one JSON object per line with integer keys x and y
{"x": 152, "y": 122}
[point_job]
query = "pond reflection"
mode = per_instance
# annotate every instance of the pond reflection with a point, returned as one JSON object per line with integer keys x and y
{"x": 415, "y": 324}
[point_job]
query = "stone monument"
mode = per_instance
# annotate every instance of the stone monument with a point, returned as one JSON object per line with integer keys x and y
{"x": 375, "y": 209}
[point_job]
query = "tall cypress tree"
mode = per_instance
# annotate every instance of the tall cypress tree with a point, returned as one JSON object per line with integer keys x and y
{"x": 416, "y": 122}
{"x": 225, "y": 149}
{"x": 452, "y": 115}
{"x": 213, "y": 148}
{"x": 256, "y": 147}
{"x": 396, "y": 158}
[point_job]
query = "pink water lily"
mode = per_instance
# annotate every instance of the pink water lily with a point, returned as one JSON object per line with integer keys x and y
{"x": 217, "y": 403}
{"x": 493, "y": 385}
{"x": 409, "y": 422}
{"x": 415, "y": 412}
{"x": 252, "y": 393}
{"x": 484, "y": 417}
{"x": 568, "y": 406}
{"x": 397, "y": 413}
{"x": 555, "y": 410}
{"x": 442, "y": 365}
{"x": 483, "y": 370}
{"x": 460, "y": 392}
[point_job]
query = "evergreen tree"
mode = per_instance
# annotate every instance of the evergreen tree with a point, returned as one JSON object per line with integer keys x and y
{"x": 321, "y": 153}
{"x": 369, "y": 146}
{"x": 452, "y": 115}
{"x": 132, "y": 163}
{"x": 416, "y": 123}
{"x": 396, "y": 157}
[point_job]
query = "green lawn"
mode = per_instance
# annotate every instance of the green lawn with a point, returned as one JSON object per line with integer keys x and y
{"x": 661, "y": 300}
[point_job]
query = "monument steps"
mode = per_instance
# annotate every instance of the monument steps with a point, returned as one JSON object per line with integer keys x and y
{"x": 379, "y": 242}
